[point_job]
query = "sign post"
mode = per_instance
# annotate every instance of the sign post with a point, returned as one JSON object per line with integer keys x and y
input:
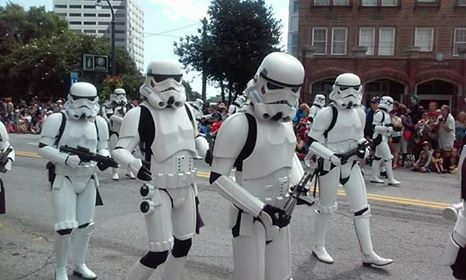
{"x": 95, "y": 63}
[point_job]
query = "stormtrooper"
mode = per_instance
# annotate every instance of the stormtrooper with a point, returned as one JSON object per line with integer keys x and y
{"x": 259, "y": 141}
{"x": 317, "y": 105}
{"x": 455, "y": 250}
{"x": 74, "y": 182}
{"x": 7, "y": 156}
{"x": 236, "y": 105}
{"x": 383, "y": 128}
{"x": 165, "y": 126}
{"x": 328, "y": 142}
{"x": 113, "y": 112}
{"x": 197, "y": 105}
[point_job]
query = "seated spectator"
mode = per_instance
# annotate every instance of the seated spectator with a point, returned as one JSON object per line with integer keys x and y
{"x": 436, "y": 163}
{"x": 451, "y": 162}
{"x": 425, "y": 156}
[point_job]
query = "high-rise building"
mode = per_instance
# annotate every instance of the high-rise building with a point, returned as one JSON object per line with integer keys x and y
{"x": 401, "y": 48}
{"x": 293, "y": 26}
{"x": 83, "y": 16}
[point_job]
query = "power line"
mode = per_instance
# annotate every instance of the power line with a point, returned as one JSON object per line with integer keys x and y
{"x": 171, "y": 30}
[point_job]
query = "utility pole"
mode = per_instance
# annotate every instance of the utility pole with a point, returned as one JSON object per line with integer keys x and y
{"x": 112, "y": 46}
{"x": 204, "y": 59}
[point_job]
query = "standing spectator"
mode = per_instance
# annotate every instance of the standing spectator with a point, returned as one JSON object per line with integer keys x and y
{"x": 446, "y": 132}
{"x": 302, "y": 112}
{"x": 408, "y": 131}
{"x": 395, "y": 138}
{"x": 460, "y": 128}
{"x": 368, "y": 128}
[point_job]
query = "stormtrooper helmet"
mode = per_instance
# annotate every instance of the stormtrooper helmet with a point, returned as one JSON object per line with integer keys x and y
{"x": 386, "y": 102}
{"x": 118, "y": 97}
{"x": 163, "y": 85}
{"x": 240, "y": 101}
{"x": 274, "y": 91}
{"x": 347, "y": 91}
{"x": 319, "y": 100}
{"x": 198, "y": 104}
{"x": 83, "y": 102}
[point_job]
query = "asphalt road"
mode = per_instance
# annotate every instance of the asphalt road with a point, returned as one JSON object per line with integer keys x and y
{"x": 406, "y": 226}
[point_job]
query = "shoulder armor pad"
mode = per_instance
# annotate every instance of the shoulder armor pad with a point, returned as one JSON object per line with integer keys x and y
{"x": 321, "y": 122}
{"x": 51, "y": 128}
{"x": 231, "y": 136}
{"x": 130, "y": 124}
{"x": 3, "y": 133}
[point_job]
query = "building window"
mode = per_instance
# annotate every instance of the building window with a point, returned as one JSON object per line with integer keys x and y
{"x": 296, "y": 6}
{"x": 61, "y": 6}
{"x": 321, "y": 2}
{"x": 89, "y": 23}
{"x": 386, "y": 41}
{"x": 75, "y": 14}
{"x": 428, "y": 3}
{"x": 89, "y": 7}
{"x": 461, "y": 3}
{"x": 459, "y": 40}
{"x": 339, "y": 37}
{"x": 89, "y": 15}
{"x": 319, "y": 40}
{"x": 341, "y": 2}
{"x": 89, "y": 31}
{"x": 367, "y": 39}
{"x": 75, "y": 23}
{"x": 375, "y": 3}
{"x": 389, "y": 3}
{"x": 368, "y": 3}
{"x": 424, "y": 38}
{"x": 75, "y": 6}
{"x": 104, "y": 15}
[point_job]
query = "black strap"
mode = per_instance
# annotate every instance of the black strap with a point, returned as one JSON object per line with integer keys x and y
{"x": 334, "y": 120}
{"x": 250, "y": 142}
{"x": 61, "y": 129}
{"x": 189, "y": 113}
{"x": 97, "y": 130}
{"x": 146, "y": 131}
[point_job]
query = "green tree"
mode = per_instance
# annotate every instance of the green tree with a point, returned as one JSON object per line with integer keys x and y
{"x": 239, "y": 34}
{"x": 38, "y": 52}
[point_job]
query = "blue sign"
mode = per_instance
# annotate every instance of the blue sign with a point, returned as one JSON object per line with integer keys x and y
{"x": 73, "y": 78}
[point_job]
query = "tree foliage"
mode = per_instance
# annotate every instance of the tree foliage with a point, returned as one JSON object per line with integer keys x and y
{"x": 38, "y": 52}
{"x": 239, "y": 34}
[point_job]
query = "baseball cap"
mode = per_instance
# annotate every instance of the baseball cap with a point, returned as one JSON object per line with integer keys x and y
{"x": 375, "y": 99}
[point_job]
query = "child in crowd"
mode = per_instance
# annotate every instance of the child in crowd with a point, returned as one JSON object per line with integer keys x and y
{"x": 436, "y": 163}
{"x": 424, "y": 159}
{"x": 452, "y": 161}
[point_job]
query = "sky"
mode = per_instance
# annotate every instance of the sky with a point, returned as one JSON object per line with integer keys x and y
{"x": 165, "y": 21}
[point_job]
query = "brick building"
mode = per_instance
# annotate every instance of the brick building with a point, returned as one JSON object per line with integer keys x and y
{"x": 398, "y": 47}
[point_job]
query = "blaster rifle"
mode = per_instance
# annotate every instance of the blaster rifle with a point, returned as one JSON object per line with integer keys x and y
{"x": 4, "y": 159}
{"x": 86, "y": 156}
{"x": 358, "y": 151}
{"x": 295, "y": 195}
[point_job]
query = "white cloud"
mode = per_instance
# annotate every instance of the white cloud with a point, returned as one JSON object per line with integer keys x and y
{"x": 186, "y": 9}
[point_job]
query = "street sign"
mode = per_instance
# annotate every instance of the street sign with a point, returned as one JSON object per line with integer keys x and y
{"x": 95, "y": 63}
{"x": 73, "y": 78}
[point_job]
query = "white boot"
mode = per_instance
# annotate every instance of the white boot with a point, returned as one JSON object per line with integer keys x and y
{"x": 61, "y": 250}
{"x": 139, "y": 272}
{"x": 80, "y": 243}
{"x": 173, "y": 268}
{"x": 375, "y": 172}
{"x": 130, "y": 174}
{"x": 389, "y": 170}
{"x": 115, "y": 175}
{"x": 369, "y": 257}
{"x": 318, "y": 248}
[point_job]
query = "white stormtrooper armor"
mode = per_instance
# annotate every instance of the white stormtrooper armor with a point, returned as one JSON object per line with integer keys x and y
{"x": 317, "y": 105}
{"x": 382, "y": 130}
{"x": 113, "y": 112}
{"x": 170, "y": 199}
{"x": 239, "y": 102}
{"x": 197, "y": 105}
{"x": 266, "y": 167}
{"x": 347, "y": 132}
{"x": 75, "y": 182}
{"x": 455, "y": 249}
{"x": 6, "y": 162}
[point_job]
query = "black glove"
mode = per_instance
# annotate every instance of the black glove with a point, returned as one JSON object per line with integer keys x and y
{"x": 278, "y": 216}
{"x": 144, "y": 173}
{"x": 103, "y": 166}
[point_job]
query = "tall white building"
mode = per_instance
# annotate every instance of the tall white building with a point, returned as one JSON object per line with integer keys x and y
{"x": 293, "y": 26}
{"x": 83, "y": 16}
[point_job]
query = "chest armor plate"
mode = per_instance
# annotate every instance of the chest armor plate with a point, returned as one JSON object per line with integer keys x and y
{"x": 119, "y": 111}
{"x": 386, "y": 121}
{"x": 173, "y": 133}
{"x": 346, "y": 132}
{"x": 79, "y": 133}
